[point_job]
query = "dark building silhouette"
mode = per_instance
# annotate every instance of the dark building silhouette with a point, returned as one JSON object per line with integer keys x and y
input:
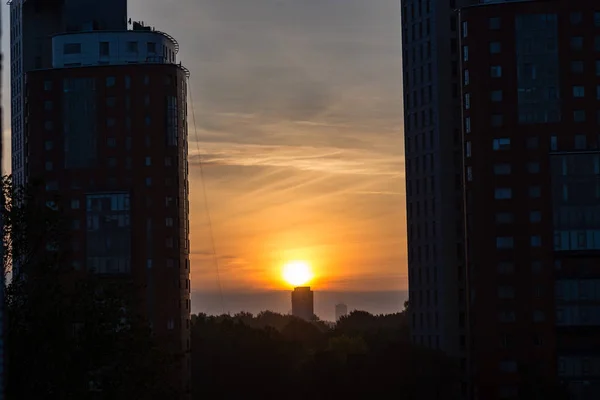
{"x": 341, "y": 310}
{"x": 303, "y": 303}
{"x": 531, "y": 113}
{"x": 101, "y": 117}
{"x": 433, "y": 164}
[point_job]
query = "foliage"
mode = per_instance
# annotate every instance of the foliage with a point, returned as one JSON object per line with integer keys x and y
{"x": 301, "y": 360}
{"x": 71, "y": 335}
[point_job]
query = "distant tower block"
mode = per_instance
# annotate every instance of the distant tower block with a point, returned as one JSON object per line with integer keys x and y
{"x": 303, "y": 303}
{"x": 341, "y": 310}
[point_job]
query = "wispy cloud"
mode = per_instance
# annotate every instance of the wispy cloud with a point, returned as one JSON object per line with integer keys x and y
{"x": 298, "y": 116}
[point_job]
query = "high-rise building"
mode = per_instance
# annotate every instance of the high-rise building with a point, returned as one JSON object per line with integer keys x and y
{"x": 531, "y": 107}
{"x": 100, "y": 114}
{"x": 434, "y": 178}
{"x": 303, "y": 303}
{"x": 341, "y": 310}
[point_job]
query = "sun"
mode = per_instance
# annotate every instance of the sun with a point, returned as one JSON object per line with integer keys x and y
{"x": 297, "y": 273}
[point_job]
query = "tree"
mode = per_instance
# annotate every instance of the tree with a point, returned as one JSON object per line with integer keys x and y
{"x": 70, "y": 333}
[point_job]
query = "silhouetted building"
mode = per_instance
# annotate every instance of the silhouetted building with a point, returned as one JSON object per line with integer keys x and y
{"x": 341, "y": 310}
{"x": 303, "y": 303}
{"x": 101, "y": 117}
{"x": 531, "y": 114}
{"x": 433, "y": 162}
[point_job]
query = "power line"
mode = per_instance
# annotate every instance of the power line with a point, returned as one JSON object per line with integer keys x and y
{"x": 206, "y": 206}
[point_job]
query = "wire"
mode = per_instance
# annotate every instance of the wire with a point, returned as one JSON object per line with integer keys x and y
{"x": 206, "y": 206}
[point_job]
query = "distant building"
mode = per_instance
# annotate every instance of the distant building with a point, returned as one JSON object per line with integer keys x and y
{"x": 303, "y": 303}
{"x": 341, "y": 310}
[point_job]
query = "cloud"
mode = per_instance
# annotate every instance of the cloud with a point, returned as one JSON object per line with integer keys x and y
{"x": 297, "y": 115}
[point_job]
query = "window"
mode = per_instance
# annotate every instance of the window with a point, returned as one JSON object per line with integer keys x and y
{"x": 110, "y": 81}
{"x": 168, "y": 161}
{"x": 151, "y": 47}
{"x": 47, "y": 86}
{"x": 495, "y": 48}
{"x": 72, "y": 48}
{"x": 465, "y": 53}
{"x": 112, "y": 162}
{"x": 48, "y": 105}
{"x": 128, "y": 82}
{"x": 49, "y": 166}
{"x": 577, "y": 67}
{"x": 75, "y": 204}
{"x": 146, "y": 79}
{"x": 169, "y": 222}
{"x": 148, "y": 161}
{"x": 171, "y": 325}
{"x": 494, "y": 23}
{"x": 553, "y": 143}
{"x": 506, "y": 292}
{"x": 504, "y": 218}
{"x": 508, "y": 366}
{"x": 538, "y": 316}
{"x": 579, "y": 116}
{"x": 52, "y": 185}
{"x": 468, "y": 149}
{"x": 576, "y": 17}
{"x": 507, "y": 316}
{"x": 533, "y": 167}
{"x": 110, "y": 122}
{"x": 580, "y": 142}
{"x": 132, "y": 47}
{"x": 467, "y": 101}
{"x": 506, "y": 268}
{"x": 532, "y": 143}
{"x": 578, "y": 91}
{"x": 505, "y": 242}
{"x": 48, "y": 145}
{"x": 104, "y": 48}
{"x": 501, "y": 144}
{"x": 496, "y": 71}
{"x": 496, "y": 96}
{"x": 576, "y": 43}
{"x": 169, "y": 242}
{"x": 536, "y": 241}
{"x": 535, "y": 192}
{"x": 148, "y": 120}
{"x": 468, "y": 125}
{"x": 597, "y": 68}
{"x": 467, "y": 77}
{"x": 535, "y": 217}
{"x": 502, "y": 169}
{"x": 497, "y": 120}
{"x": 503, "y": 193}
{"x": 148, "y": 181}
{"x": 465, "y": 29}
{"x": 48, "y": 125}
{"x": 111, "y": 142}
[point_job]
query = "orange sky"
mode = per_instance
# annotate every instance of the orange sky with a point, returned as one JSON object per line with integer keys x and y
{"x": 299, "y": 115}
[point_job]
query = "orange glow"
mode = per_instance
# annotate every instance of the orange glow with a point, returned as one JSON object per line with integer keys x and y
{"x": 297, "y": 273}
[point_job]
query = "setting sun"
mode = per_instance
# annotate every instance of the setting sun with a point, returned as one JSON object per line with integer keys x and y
{"x": 297, "y": 273}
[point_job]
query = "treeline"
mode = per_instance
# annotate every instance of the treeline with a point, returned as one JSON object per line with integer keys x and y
{"x": 272, "y": 356}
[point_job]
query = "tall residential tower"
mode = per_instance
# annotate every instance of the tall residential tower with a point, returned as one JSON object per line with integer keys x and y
{"x": 434, "y": 178}
{"x": 531, "y": 109}
{"x": 99, "y": 112}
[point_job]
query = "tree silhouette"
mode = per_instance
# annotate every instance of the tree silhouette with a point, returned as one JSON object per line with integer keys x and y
{"x": 71, "y": 335}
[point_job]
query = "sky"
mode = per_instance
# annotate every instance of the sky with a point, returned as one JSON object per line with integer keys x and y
{"x": 298, "y": 123}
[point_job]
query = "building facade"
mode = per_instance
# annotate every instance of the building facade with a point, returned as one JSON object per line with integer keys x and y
{"x": 99, "y": 113}
{"x": 341, "y": 310}
{"x": 531, "y": 113}
{"x": 303, "y": 303}
{"x": 434, "y": 178}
